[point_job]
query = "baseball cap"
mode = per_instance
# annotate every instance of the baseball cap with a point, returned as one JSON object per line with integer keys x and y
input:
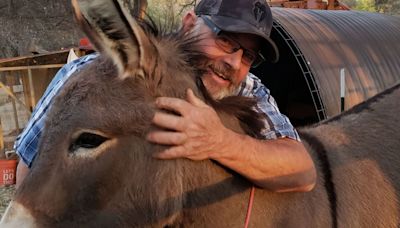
{"x": 242, "y": 16}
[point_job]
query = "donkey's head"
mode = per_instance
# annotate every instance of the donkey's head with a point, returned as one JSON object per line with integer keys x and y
{"x": 94, "y": 166}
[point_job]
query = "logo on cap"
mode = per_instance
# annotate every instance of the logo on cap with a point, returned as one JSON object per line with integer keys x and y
{"x": 259, "y": 10}
{"x": 209, "y": 5}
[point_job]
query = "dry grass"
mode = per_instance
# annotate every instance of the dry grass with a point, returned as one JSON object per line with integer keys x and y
{"x": 6, "y": 193}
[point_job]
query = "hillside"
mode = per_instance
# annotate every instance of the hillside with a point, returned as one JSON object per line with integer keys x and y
{"x": 36, "y": 26}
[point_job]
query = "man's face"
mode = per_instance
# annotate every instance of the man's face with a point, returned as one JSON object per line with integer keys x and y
{"x": 224, "y": 71}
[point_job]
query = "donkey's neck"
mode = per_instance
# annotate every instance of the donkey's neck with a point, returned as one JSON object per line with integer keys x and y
{"x": 213, "y": 195}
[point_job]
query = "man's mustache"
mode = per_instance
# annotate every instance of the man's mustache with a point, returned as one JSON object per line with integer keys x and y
{"x": 223, "y": 69}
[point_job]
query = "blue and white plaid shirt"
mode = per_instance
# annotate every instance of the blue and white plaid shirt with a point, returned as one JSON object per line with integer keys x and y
{"x": 26, "y": 144}
{"x": 277, "y": 125}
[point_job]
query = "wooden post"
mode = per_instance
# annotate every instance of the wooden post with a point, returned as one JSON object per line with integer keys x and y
{"x": 331, "y": 4}
{"x": 32, "y": 95}
{"x": 342, "y": 89}
{"x": 2, "y": 155}
{"x": 11, "y": 94}
{"x": 14, "y": 105}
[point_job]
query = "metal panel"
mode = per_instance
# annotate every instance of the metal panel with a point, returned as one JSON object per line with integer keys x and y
{"x": 366, "y": 45}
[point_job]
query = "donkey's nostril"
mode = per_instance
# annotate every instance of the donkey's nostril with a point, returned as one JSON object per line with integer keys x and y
{"x": 88, "y": 141}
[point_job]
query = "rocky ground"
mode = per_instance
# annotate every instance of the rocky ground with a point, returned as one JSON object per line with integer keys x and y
{"x": 36, "y": 27}
{"x": 6, "y": 193}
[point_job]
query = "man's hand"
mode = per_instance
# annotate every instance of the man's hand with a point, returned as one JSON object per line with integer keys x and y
{"x": 197, "y": 133}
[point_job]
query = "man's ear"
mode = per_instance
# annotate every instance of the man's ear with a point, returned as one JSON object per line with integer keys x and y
{"x": 188, "y": 21}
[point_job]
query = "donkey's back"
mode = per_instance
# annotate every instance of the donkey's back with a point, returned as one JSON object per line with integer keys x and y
{"x": 358, "y": 156}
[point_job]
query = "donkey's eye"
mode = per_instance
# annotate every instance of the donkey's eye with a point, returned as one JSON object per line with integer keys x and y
{"x": 88, "y": 141}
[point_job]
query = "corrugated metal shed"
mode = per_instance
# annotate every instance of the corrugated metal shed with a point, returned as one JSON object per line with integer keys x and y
{"x": 366, "y": 45}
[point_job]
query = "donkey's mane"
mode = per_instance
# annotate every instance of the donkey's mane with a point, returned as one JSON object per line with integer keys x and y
{"x": 188, "y": 45}
{"x": 365, "y": 105}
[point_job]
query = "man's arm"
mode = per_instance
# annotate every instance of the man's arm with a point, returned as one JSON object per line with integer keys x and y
{"x": 278, "y": 165}
{"x": 22, "y": 171}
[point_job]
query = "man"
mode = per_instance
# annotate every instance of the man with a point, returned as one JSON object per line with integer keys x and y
{"x": 232, "y": 35}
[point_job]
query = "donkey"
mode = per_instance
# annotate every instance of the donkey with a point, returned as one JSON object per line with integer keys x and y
{"x": 95, "y": 168}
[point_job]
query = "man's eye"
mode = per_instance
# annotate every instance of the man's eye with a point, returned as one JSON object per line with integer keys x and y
{"x": 249, "y": 56}
{"x": 224, "y": 42}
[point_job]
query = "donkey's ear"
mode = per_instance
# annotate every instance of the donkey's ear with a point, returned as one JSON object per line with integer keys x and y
{"x": 113, "y": 31}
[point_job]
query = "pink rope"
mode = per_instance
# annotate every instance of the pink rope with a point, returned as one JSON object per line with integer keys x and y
{"x": 249, "y": 207}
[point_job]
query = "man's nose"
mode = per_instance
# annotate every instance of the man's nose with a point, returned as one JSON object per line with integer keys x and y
{"x": 235, "y": 59}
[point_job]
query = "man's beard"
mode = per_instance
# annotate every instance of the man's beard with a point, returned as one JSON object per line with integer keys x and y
{"x": 218, "y": 93}
{"x": 221, "y": 69}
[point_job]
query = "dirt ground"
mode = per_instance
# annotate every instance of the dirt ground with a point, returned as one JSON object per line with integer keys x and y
{"x": 6, "y": 193}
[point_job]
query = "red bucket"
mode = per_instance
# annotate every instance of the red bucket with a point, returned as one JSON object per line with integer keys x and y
{"x": 8, "y": 170}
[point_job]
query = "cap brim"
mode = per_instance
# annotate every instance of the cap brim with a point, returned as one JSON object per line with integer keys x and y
{"x": 229, "y": 24}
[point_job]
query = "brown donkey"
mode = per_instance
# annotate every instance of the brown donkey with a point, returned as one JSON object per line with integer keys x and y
{"x": 95, "y": 169}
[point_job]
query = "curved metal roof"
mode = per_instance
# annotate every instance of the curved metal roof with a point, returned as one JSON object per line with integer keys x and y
{"x": 366, "y": 45}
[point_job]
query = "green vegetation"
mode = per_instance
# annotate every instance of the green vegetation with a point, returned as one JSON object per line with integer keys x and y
{"x": 164, "y": 12}
{"x": 391, "y": 7}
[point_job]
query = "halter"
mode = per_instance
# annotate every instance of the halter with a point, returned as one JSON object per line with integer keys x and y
{"x": 249, "y": 206}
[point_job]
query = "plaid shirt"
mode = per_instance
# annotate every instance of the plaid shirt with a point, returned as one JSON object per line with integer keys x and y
{"x": 277, "y": 125}
{"x": 26, "y": 144}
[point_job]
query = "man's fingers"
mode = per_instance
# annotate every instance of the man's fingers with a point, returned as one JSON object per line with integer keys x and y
{"x": 169, "y": 121}
{"x": 173, "y": 104}
{"x": 178, "y": 105}
{"x": 178, "y": 152}
{"x": 193, "y": 99}
{"x": 167, "y": 137}
{"x": 171, "y": 153}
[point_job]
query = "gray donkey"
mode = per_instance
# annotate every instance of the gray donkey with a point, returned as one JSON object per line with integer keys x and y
{"x": 95, "y": 168}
